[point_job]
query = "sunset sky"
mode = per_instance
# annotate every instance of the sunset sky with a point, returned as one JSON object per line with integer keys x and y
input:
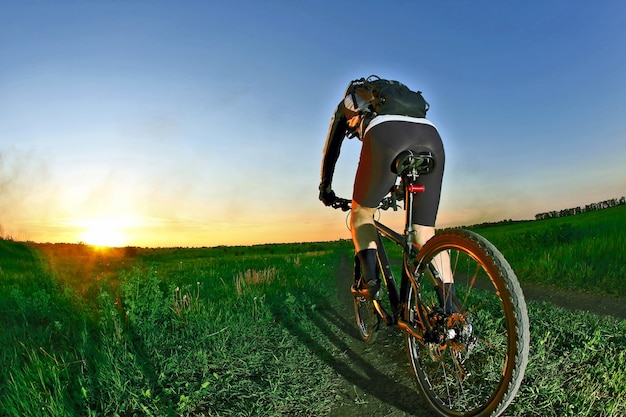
{"x": 202, "y": 123}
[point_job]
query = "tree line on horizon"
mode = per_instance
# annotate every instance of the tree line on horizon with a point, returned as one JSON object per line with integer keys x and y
{"x": 614, "y": 202}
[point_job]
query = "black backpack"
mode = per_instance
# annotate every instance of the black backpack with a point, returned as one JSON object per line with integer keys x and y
{"x": 374, "y": 96}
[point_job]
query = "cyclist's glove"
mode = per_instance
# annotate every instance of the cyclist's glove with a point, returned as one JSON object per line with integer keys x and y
{"x": 327, "y": 195}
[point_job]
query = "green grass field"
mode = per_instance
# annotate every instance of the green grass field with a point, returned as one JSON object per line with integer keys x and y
{"x": 231, "y": 330}
{"x": 584, "y": 252}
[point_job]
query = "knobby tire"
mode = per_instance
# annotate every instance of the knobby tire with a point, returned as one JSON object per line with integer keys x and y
{"x": 473, "y": 361}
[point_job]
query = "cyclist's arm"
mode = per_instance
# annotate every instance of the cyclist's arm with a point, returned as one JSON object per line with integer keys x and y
{"x": 334, "y": 139}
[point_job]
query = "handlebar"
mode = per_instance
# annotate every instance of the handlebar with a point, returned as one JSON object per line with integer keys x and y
{"x": 345, "y": 205}
{"x": 342, "y": 203}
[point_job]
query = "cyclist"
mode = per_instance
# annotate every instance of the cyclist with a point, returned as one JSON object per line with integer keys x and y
{"x": 383, "y": 135}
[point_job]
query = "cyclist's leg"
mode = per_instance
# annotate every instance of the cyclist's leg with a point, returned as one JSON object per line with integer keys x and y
{"x": 422, "y": 234}
{"x": 442, "y": 260}
{"x": 362, "y": 226}
{"x": 372, "y": 181}
{"x": 367, "y": 285}
{"x": 364, "y": 237}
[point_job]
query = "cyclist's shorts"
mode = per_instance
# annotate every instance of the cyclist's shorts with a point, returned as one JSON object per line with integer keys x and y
{"x": 374, "y": 177}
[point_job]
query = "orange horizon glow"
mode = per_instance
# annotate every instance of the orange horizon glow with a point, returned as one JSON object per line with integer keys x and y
{"x": 150, "y": 232}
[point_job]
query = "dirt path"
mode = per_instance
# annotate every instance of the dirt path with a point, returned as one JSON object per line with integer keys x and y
{"x": 572, "y": 300}
{"x": 376, "y": 379}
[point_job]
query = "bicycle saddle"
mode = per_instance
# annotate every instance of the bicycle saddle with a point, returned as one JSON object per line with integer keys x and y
{"x": 422, "y": 162}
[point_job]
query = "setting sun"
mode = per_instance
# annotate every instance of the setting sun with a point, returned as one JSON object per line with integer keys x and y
{"x": 103, "y": 232}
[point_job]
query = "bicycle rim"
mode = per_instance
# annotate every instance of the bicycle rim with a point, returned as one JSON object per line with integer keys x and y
{"x": 367, "y": 320}
{"x": 473, "y": 362}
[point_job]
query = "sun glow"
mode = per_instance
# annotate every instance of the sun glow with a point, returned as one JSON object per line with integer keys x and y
{"x": 103, "y": 232}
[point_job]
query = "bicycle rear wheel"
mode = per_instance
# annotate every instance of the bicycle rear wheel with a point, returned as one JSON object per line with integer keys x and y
{"x": 472, "y": 361}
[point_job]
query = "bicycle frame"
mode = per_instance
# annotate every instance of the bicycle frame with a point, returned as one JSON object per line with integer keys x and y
{"x": 409, "y": 250}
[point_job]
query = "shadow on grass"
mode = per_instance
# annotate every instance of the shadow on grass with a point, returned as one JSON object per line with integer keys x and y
{"x": 375, "y": 379}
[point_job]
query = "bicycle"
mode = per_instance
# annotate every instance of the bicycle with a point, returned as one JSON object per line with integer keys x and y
{"x": 468, "y": 348}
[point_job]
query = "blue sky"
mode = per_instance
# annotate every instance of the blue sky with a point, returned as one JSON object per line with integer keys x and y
{"x": 160, "y": 123}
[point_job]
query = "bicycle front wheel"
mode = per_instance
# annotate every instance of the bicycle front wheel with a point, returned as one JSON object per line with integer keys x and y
{"x": 367, "y": 319}
{"x": 472, "y": 352}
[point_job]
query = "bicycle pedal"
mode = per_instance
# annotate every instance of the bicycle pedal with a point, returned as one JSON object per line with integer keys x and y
{"x": 364, "y": 293}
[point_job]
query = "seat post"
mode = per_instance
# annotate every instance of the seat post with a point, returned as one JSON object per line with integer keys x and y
{"x": 410, "y": 165}
{"x": 408, "y": 213}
